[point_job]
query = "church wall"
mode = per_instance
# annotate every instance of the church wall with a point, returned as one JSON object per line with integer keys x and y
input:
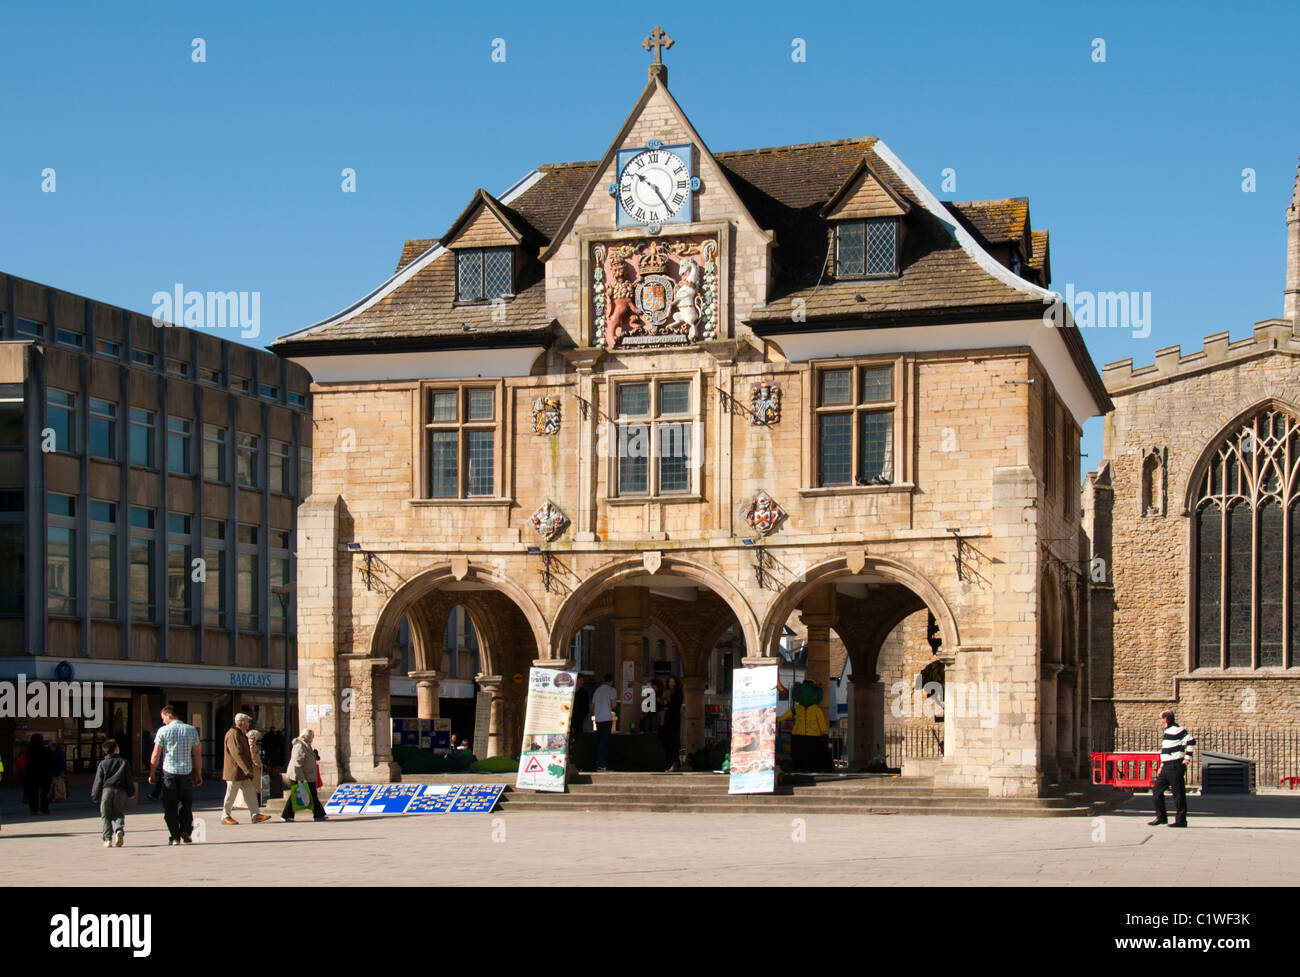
{"x": 1142, "y": 655}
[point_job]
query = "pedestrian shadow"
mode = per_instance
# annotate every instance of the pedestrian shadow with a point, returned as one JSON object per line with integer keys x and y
{"x": 1272, "y": 806}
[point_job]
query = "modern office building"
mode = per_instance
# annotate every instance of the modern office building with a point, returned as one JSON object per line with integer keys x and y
{"x": 154, "y": 473}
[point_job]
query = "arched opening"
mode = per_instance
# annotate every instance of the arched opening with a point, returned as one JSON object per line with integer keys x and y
{"x": 643, "y": 622}
{"x": 470, "y": 632}
{"x": 859, "y": 607}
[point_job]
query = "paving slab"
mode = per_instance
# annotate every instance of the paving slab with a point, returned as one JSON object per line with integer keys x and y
{"x": 1232, "y": 841}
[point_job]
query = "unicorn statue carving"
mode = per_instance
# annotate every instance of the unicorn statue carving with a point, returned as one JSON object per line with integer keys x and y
{"x": 688, "y": 304}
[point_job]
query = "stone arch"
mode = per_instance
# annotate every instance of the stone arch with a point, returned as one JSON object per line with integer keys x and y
{"x": 786, "y": 604}
{"x": 575, "y": 605}
{"x": 603, "y": 606}
{"x": 409, "y": 594}
{"x": 1212, "y": 440}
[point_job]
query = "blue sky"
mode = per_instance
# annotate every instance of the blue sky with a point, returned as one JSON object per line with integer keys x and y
{"x": 225, "y": 175}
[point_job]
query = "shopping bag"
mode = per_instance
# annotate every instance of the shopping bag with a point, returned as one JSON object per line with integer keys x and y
{"x": 300, "y": 796}
{"x": 58, "y": 790}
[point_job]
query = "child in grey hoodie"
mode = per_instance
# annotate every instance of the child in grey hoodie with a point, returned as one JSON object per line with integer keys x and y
{"x": 113, "y": 785}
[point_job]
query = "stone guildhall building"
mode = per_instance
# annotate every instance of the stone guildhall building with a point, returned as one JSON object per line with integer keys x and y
{"x": 1193, "y": 514}
{"x": 693, "y": 400}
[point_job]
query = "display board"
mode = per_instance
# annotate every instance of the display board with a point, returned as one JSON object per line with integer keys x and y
{"x": 544, "y": 758}
{"x": 414, "y": 798}
{"x": 753, "y": 730}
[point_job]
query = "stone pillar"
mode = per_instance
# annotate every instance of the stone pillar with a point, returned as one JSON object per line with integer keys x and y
{"x": 491, "y": 684}
{"x": 631, "y": 608}
{"x": 322, "y": 675}
{"x": 693, "y": 706}
{"x": 1048, "y": 721}
{"x": 818, "y": 615}
{"x": 368, "y": 729}
{"x": 868, "y": 708}
{"x": 426, "y": 693}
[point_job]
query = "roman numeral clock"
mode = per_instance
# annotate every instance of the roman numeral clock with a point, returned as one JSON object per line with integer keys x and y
{"x": 654, "y": 187}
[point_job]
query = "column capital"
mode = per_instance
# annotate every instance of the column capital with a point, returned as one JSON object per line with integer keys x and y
{"x": 812, "y": 619}
{"x": 560, "y": 664}
{"x": 426, "y": 675}
{"x": 759, "y": 660}
{"x": 489, "y": 683}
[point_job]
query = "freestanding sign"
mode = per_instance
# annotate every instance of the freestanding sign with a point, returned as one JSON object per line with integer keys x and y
{"x": 544, "y": 757}
{"x": 753, "y": 730}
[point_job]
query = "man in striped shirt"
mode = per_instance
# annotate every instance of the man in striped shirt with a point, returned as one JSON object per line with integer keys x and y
{"x": 1175, "y": 753}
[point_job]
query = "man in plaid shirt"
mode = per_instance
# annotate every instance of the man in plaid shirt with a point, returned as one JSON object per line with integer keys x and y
{"x": 176, "y": 751}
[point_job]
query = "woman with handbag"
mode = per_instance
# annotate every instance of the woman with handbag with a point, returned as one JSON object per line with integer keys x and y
{"x": 303, "y": 774}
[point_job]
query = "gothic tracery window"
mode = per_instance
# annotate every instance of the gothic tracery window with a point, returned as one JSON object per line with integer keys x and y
{"x": 1246, "y": 548}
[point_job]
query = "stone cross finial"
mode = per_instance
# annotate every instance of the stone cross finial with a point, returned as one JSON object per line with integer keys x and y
{"x": 658, "y": 41}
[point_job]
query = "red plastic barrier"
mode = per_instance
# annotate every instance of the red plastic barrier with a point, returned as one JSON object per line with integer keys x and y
{"x": 1125, "y": 769}
{"x": 1291, "y": 783}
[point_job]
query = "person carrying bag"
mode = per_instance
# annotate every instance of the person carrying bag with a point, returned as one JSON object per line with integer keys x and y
{"x": 303, "y": 775}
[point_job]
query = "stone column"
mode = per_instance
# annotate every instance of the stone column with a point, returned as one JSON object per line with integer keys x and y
{"x": 693, "y": 693}
{"x": 496, "y": 715}
{"x": 631, "y": 608}
{"x": 368, "y": 725}
{"x": 818, "y": 615}
{"x": 1048, "y": 721}
{"x": 426, "y": 693}
{"x": 868, "y": 721}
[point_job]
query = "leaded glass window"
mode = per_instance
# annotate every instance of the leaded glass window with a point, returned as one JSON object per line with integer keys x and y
{"x": 1246, "y": 556}
{"x": 855, "y": 425}
{"x": 461, "y": 432}
{"x": 657, "y": 435}
{"x": 483, "y": 273}
{"x": 866, "y": 247}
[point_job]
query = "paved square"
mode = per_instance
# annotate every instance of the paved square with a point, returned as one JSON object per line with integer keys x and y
{"x": 1248, "y": 841}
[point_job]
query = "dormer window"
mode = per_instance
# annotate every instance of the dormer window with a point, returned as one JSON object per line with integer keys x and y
{"x": 483, "y": 273}
{"x": 866, "y": 248}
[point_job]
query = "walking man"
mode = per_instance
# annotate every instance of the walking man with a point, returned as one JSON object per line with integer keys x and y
{"x": 602, "y": 702}
{"x": 113, "y": 785}
{"x": 177, "y": 762}
{"x": 237, "y": 770}
{"x": 1175, "y": 753}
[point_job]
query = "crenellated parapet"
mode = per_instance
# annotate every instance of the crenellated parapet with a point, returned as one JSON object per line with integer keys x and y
{"x": 1218, "y": 350}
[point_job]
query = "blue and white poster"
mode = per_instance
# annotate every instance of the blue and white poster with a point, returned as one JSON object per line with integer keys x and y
{"x": 391, "y": 798}
{"x": 349, "y": 798}
{"x": 753, "y": 730}
{"x": 436, "y": 799}
{"x": 477, "y": 798}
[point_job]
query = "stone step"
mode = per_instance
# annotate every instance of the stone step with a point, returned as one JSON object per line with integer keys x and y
{"x": 781, "y": 801}
{"x": 800, "y": 806}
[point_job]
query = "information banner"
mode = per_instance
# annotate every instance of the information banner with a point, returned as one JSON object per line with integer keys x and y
{"x": 544, "y": 758}
{"x": 753, "y": 730}
{"x": 414, "y": 798}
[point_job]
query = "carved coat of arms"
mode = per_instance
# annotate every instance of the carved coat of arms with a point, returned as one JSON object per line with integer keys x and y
{"x": 765, "y": 403}
{"x": 546, "y": 415}
{"x": 764, "y": 514}
{"x": 549, "y": 521}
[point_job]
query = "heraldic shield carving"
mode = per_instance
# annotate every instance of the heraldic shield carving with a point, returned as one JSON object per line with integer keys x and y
{"x": 546, "y": 416}
{"x": 765, "y": 402}
{"x": 549, "y": 521}
{"x": 764, "y": 514}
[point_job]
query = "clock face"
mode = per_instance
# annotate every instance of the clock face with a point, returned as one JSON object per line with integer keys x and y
{"x": 654, "y": 186}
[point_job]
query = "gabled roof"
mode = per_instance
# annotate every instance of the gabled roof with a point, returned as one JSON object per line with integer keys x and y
{"x": 656, "y": 85}
{"x": 997, "y": 221}
{"x": 849, "y": 185}
{"x": 1040, "y": 257}
{"x": 520, "y": 230}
